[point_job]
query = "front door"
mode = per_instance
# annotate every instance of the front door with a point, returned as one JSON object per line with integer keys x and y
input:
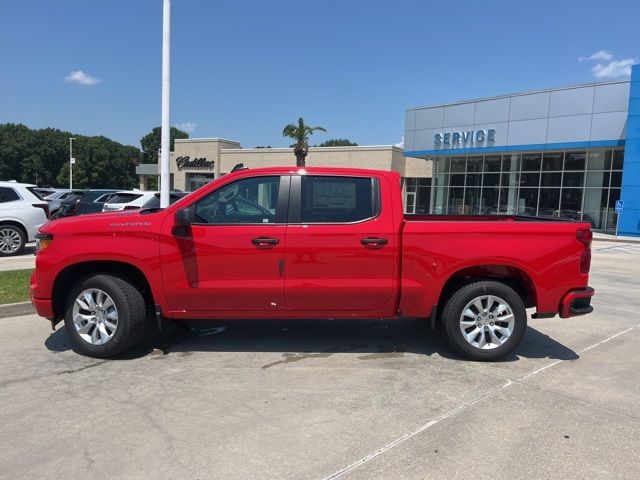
{"x": 231, "y": 257}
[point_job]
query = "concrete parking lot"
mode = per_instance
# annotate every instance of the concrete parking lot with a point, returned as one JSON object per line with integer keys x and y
{"x": 326, "y": 400}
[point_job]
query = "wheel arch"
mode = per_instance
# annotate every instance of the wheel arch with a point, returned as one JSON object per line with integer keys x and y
{"x": 72, "y": 273}
{"x": 513, "y": 276}
{"x": 15, "y": 223}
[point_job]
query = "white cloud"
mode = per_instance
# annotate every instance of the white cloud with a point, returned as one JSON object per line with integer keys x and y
{"x": 186, "y": 126}
{"x": 80, "y": 78}
{"x": 611, "y": 68}
{"x": 400, "y": 144}
{"x": 614, "y": 69}
{"x": 599, "y": 55}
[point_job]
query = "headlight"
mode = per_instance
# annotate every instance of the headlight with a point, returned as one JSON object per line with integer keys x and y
{"x": 43, "y": 240}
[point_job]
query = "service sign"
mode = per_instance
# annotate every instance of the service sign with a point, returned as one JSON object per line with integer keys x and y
{"x": 465, "y": 139}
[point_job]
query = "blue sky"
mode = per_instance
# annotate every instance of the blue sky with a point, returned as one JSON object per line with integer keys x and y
{"x": 243, "y": 69}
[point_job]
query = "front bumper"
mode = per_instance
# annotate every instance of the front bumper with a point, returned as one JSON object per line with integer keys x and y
{"x": 44, "y": 307}
{"x": 577, "y": 302}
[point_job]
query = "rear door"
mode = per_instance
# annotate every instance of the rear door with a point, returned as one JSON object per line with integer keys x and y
{"x": 341, "y": 247}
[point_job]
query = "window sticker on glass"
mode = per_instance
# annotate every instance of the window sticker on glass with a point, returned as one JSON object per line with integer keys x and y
{"x": 334, "y": 195}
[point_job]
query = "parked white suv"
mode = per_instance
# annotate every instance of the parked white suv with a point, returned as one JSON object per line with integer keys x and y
{"x": 21, "y": 214}
{"x": 127, "y": 200}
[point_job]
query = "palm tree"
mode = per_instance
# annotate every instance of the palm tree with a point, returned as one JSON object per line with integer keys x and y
{"x": 300, "y": 134}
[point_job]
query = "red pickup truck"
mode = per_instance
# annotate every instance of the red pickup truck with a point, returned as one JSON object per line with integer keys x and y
{"x": 307, "y": 243}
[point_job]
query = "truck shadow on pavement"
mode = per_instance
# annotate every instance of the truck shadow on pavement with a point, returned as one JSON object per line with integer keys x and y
{"x": 301, "y": 339}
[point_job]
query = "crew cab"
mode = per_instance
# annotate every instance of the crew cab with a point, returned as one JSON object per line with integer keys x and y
{"x": 307, "y": 243}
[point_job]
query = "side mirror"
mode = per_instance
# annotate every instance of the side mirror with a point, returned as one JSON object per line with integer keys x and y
{"x": 183, "y": 219}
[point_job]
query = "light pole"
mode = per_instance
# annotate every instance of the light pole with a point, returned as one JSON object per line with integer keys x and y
{"x": 71, "y": 162}
{"x": 165, "y": 132}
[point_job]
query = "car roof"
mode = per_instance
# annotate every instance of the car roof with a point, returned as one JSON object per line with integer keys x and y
{"x": 5, "y": 183}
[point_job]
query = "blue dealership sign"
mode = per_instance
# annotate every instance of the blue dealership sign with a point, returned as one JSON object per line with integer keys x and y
{"x": 619, "y": 206}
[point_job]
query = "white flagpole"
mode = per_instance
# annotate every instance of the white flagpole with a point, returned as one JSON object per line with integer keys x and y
{"x": 166, "y": 83}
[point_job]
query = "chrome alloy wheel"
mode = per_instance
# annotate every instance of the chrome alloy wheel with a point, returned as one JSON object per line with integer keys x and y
{"x": 9, "y": 240}
{"x": 487, "y": 322}
{"x": 95, "y": 316}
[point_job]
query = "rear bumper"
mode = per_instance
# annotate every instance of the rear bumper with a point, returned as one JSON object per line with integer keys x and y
{"x": 577, "y": 302}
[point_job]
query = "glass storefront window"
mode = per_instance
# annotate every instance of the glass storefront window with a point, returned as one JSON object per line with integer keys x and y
{"x": 616, "y": 179}
{"x": 598, "y": 179}
{"x": 618, "y": 157}
{"x": 551, "y": 179}
{"x": 571, "y": 203}
{"x": 595, "y": 207}
{"x": 511, "y": 163}
{"x": 458, "y": 164}
{"x": 456, "y": 201}
{"x": 472, "y": 201}
{"x": 457, "y": 180}
{"x": 508, "y": 201}
{"x": 528, "y": 201}
{"x": 442, "y": 165}
{"x": 531, "y": 162}
{"x": 511, "y": 179}
{"x": 572, "y": 179}
{"x": 491, "y": 179}
{"x": 575, "y": 160}
{"x": 529, "y": 179}
{"x": 492, "y": 163}
{"x": 599, "y": 160}
{"x": 552, "y": 161}
{"x": 549, "y": 202}
{"x": 612, "y": 218}
{"x": 567, "y": 184}
{"x": 474, "y": 179}
{"x": 489, "y": 204}
{"x": 474, "y": 164}
{"x": 442, "y": 180}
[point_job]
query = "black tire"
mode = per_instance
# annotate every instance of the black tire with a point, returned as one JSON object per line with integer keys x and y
{"x": 453, "y": 310}
{"x": 131, "y": 309}
{"x": 16, "y": 230}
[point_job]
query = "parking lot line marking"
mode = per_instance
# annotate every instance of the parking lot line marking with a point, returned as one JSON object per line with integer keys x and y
{"x": 415, "y": 432}
{"x": 437, "y": 420}
{"x": 579, "y": 351}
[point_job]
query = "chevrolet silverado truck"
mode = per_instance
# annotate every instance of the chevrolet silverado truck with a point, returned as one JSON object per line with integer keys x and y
{"x": 306, "y": 243}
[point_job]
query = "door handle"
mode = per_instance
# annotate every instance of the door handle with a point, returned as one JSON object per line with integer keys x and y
{"x": 374, "y": 242}
{"x": 265, "y": 242}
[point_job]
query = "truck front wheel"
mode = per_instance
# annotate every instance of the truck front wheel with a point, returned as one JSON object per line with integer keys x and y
{"x": 484, "y": 320}
{"x": 105, "y": 315}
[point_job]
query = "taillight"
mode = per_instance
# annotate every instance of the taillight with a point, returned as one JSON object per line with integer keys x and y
{"x": 585, "y": 236}
{"x": 43, "y": 206}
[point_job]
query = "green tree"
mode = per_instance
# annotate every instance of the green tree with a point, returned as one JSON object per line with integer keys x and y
{"x": 42, "y": 156}
{"x": 151, "y": 142}
{"x": 300, "y": 133}
{"x": 338, "y": 142}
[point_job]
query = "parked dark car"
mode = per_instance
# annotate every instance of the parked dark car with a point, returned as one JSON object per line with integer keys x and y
{"x": 89, "y": 201}
{"x": 155, "y": 201}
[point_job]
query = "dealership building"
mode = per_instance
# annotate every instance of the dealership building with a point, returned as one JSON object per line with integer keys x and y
{"x": 197, "y": 161}
{"x": 569, "y": 152}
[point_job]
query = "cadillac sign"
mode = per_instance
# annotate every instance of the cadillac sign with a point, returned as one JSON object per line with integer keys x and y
{"x": 468, "y": 139}
{"x": 186, "y": 162}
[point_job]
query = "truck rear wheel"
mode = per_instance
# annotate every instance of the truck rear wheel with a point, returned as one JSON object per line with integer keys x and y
{"x": 105, "y": 315}
{"x": 484, "y": 320}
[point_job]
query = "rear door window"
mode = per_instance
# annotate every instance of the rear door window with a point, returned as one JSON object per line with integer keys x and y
{"x": 326, "y": 199}
{"x": 8, "y": 194}
{"x": 124, "y": 197}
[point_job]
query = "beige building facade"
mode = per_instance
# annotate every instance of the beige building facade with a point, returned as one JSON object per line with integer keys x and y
{"x": 197, "y": 161}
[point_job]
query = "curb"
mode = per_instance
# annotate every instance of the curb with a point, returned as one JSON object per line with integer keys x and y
{"x": 16, "y": 309}
{"x": 616, "y": 240}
